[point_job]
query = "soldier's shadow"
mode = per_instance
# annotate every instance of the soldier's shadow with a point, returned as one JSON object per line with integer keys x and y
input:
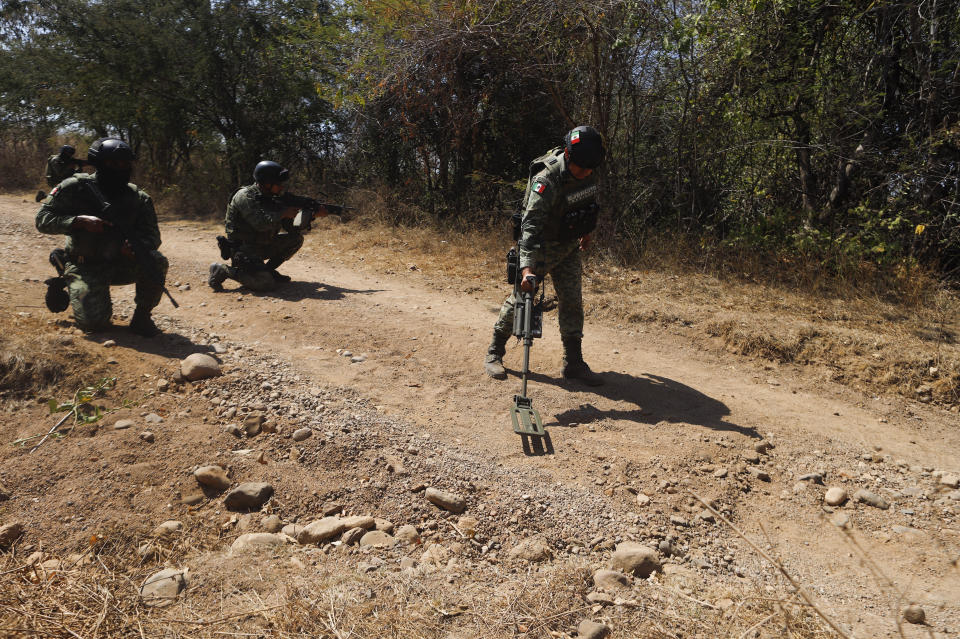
{"x": 169, "y": 343}
{"x": 657, "y": 399}
{"x": 296, "y": 291}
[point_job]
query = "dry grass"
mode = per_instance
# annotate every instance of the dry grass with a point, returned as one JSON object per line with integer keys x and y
{"x": 96, "y": 595}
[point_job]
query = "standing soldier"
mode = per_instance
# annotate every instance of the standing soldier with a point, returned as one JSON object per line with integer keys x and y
{"x": 559, "y": 213}
{"x": 255, "y": 217}
{"x": 105, "y": 219}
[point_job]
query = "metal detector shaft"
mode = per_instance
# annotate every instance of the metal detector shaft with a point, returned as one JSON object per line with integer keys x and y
{"x": 527, "y": 338}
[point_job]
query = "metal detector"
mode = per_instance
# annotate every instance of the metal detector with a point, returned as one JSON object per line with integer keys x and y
{"x": 527, "y": 325}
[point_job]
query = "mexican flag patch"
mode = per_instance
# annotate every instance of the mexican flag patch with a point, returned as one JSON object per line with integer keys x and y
{"x": 539, "y": 187}
{"x": 55, "y": 189}
{"x": 575, "y": 137}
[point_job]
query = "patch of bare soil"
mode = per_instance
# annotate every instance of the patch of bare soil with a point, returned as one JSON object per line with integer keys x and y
{"x": 366, "y": 371}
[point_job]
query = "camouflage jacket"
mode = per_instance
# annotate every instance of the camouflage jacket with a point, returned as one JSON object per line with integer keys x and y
{"x": 552, "y": 192}
{"x": 132, "y": 211}
{"x": 253, "y": 217}
{"x": 59, "y": 169}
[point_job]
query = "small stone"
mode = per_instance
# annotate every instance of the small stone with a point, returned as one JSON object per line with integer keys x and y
{"x": 762, "y": 475}
{"x": 763, "y": 446}
{"x": 257, "y": 542}
{"x": 642, "y": 500}
{"x": 435, "y": 555}
{"x": 230, "y": 413}
{"x": 357, "y": 359}
{"x": 109, "y": 343}
{"x": 292, "y": 530}
{"x": 122, "y": 424}
{"x": 301, "y": 434}
{"x": 706, "y": 515}
{"x": 952, "y": 481}
{"x": 163, "y": 385}
{"x": 531, "y": 550}
{"x": 199, "y": 366}
{"x": 194, "y": 498}
{"x": 871, "y": 499}
{"x": 161, "y": 588}
{"x": 384, "y": 525}
{"x": 377, "y": 539}
{"x": 271, "y": 523}
{"x": 253, "y": 424}
{"x": 611, "y": 580}
{"x": 816, "y": 478}
{"x": 168, "y": 528}
{"x": 635, "y": 559}
{"x": 248, "y": 496}
{"x": 153, "y": 418}
{"x": 447, "y": 501}
{"x": 720, "y": 473}
{"x": 751, "y": 456}
{"x": 408, "y": 534}
{"x": 592, "y": 630}
{"x": 914, "y": 614}
{"x": 677, "y": 520}
{"x": 234, "y": 430}
{"x": 10, "y": 533}
{"x": 331, "y": 508}
{"x": 212, "y": 477}
{"x": 148, "y": 437}
{"x": 835, "y": 496}
{"x": 600, "y": 598}
{"x": 352, "y": 536}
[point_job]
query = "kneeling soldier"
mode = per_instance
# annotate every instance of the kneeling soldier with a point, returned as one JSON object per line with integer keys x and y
{"x": 255, "y": 217}
{"x": 104, "y": 217}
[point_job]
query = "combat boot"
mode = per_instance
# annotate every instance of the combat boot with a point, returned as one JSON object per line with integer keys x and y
{"x": 142, "y": 323}
{"x": 573, "y": 365}
{"x": 493, "y": 362}
{"x": 218, "y": 275}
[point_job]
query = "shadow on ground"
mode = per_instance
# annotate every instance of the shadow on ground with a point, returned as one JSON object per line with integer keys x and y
{"x": 297, "y": 290}
{"x": 167, "y": 344}
{"x": 657, "y": 399}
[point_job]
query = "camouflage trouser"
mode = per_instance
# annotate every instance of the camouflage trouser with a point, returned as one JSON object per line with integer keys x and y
{"x": 89, "y": 288}
{"x": 562, "y": 263}
{"x": 248, "y": 261}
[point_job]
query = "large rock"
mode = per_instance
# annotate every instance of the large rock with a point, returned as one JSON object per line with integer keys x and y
{"x": 377, "y": 539}
{"x": 199, "y": 366}
{"x": 447, "y": 501}
{"x": 592, "y": 630}
{"x": 611, "y": 580}
{"x": 532, "y": 550}
{"x": 635, "y": 559}
{"x": 10, "y": 533}
{"x": 248, "y": 496}
{"x": 162, "y": 588}
{"x": 256, "y": 542}
{"x": 212, "y": 477}
{"x": 253, "y": 424}
{"x": 322, "y": 530}
{"x": 408, "y": 534}
{"x": 359, "y": 521}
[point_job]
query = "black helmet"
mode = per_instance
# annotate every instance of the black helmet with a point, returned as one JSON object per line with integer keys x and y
{"x": 109, "y": 149}
{"x": 585, "y": 147}
{"x": 67, "y": 151}
{"x": 267, "y": 172}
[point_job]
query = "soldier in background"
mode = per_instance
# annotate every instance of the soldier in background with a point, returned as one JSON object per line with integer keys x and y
{"x": 60, "y": 167}
{"x": 255, "y": 218}
{"x": 559, "y": 213}
{"x": 104, "y": 217}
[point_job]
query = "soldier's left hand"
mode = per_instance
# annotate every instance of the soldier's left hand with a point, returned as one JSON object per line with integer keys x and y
{"x": 585, "y": 242}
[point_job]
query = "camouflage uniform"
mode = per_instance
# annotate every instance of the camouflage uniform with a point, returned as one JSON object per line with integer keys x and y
{"x": 60, "y": 168}
{"x": 94, "y": 260}
{"x": 253, "y": 224}
{"x": 547, "y": 246}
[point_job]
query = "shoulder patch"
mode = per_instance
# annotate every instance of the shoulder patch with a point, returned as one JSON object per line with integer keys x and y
{"x": 55, "y": 190}
{"x": 539, "y": 187}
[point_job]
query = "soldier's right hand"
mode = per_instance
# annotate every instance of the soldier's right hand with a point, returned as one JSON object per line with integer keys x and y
{"x": 529, "y": 282}
{"x": 90, "y": 223}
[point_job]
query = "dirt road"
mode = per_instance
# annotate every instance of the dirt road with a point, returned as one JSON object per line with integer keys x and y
{"x": 669, "y": 416}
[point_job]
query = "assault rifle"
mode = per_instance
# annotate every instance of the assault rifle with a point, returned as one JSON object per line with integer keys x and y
{"x": 309, "y": 209}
